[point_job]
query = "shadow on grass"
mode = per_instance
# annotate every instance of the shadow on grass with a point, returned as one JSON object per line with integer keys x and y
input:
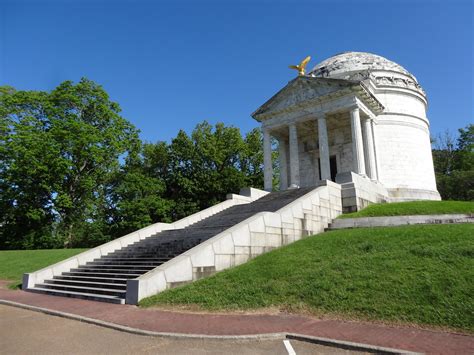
{"x": 15, "y": 285}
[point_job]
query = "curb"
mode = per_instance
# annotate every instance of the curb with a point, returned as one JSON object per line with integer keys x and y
{"x": 267, "y": 336}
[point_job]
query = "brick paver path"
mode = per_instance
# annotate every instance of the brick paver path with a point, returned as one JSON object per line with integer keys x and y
{"x": 413, "y": 339}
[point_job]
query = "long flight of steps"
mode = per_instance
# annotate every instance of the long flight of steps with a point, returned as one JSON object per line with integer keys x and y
{"x": 105, "y": 278}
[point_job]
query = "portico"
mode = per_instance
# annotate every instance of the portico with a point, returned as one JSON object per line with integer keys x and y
{"x": 321, "y": 135}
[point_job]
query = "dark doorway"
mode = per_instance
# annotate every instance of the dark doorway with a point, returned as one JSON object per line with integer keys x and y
{"x": 319, "y": 169}
{"x": 332, "y": 167}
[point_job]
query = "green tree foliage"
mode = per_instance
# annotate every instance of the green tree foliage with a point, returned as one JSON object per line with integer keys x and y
{"x": 74, "y": 173}
{"x": 137, "y": 191}
{"x": 58, "y": 151}
{"x": 454, "y": 165}
{"x": 201, "y": 168}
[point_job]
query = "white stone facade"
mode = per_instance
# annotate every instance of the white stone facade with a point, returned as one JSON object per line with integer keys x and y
{"x": 354, "y": 112}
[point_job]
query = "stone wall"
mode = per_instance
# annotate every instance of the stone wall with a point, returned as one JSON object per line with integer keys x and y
{"x": 358, "y": 192}
{"x": 402, "y": 142}
{"x": 404, "y": 154}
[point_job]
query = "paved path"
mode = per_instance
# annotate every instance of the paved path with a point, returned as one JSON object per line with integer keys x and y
{"x": 44, "y": 334}
{"x": 413, "y": 339}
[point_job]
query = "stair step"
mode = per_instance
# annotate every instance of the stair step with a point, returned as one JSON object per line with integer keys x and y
{"x": 87, "y": 296}
{"x": 93, "y": 284}
{"x": 107, "y": 258}
{"x": 101, "y": 274}
{"x": 92, "y": 279}
{"x": 110, "y": 271}
{"x": 139, "y": 254}
{"x": 151, "y": 251}
{"x": 129, "y": 263}
{"x": 80, "y": 289}
{"x": 117, "y": 267}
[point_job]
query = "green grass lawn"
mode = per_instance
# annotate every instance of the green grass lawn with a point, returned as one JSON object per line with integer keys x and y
{"x": 415, "y": 274}
{"x": 14, "y": 263}
{"x": 413, "y": 208}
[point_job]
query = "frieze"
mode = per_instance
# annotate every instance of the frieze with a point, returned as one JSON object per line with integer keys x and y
{"x": 400, "y": 82}
{"x": 378, "y": 79}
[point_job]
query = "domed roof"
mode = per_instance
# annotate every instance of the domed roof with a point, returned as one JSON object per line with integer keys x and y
{"x": 348, "y": 64}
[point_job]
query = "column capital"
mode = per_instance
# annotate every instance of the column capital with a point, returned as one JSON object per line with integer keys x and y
{"x": 321, "y": 116}
{"x": 354, "y": 108}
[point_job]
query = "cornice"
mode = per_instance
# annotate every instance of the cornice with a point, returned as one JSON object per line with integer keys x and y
{"x": 357, "y": 88}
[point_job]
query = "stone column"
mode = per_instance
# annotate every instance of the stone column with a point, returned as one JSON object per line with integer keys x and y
{"x": 283, "y": 153}
{"x": 324, "y": 149}
{"x": 294, "y": 158}
{"x": 357, "y": 143}
{"x": 267, "y": 161}
{"x": 376, "y": 164}
{"x": 369, "y": 149}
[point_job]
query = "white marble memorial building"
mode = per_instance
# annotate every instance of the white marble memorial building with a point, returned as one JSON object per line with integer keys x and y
{"x": 354, "y": 116}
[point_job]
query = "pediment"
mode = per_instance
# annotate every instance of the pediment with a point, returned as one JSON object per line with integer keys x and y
{"x": 300, "y": 90}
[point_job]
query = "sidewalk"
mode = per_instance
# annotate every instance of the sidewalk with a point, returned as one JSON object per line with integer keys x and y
{"x": 412, "y": 339}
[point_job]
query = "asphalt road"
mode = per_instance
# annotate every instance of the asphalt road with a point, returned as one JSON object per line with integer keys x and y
{"x": 29, "y": 332}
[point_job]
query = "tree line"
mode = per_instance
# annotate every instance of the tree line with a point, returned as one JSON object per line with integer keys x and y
{"x": 74, "y": 172}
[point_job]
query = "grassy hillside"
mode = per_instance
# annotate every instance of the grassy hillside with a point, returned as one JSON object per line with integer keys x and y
{"x": 418, "y": 274}
{"x": 413, "y": 208}
{"x": 13, "y": 263}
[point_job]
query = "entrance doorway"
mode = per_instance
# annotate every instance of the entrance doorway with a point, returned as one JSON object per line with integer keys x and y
{"x": 332, "y": 167}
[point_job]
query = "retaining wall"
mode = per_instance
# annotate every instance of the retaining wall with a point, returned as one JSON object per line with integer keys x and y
{"x": 389, "y": 221}
{"x": 358, "y": 192}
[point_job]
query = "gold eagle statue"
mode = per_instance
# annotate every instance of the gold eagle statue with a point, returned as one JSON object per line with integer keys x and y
{"x": 302, "y": 66}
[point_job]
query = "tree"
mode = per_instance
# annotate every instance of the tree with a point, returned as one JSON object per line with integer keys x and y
{"x": 204, "y": 167}
{"x": 252, "y": 158}
{"x": 73, "y": 172}
{"x": 454, "y": 164}
{"x": 59, "y": 150}
{"x": 137, "y": 191}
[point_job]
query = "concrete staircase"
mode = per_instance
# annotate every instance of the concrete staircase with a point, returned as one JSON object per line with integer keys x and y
{"x": 105, "y": 278}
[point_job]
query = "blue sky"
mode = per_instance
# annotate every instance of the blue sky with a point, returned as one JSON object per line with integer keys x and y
{"x": 172, "y": 64}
